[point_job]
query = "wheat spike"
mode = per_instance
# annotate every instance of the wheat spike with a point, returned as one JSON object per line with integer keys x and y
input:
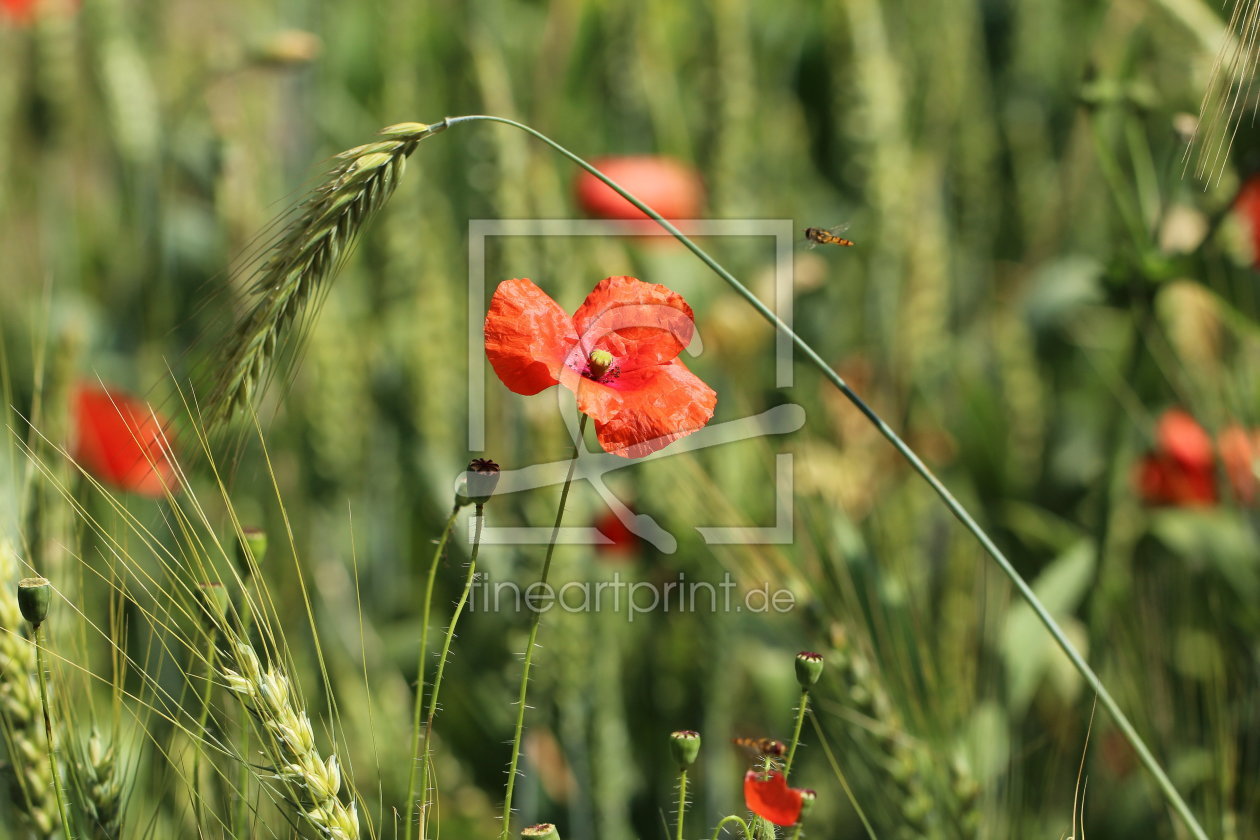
{"x": 310, "y": 783}
{"x": 308, "y": 254}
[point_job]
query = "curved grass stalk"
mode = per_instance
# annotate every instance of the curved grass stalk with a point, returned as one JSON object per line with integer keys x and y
{"x": 1169, "y": 792}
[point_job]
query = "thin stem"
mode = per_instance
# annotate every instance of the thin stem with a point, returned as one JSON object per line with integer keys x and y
{"x": 420, "y": 668}
{"x": 533, "y": 637}
{"x": 796, "y": 733}
{"x": 955, "y": 507}
{"x": 735, "y": 819}
{"x": 479, "y": 518}
{"x": 796, "y": 832}
{"x": 48, "y": 734}
{"x": 203, "y": 717}
{"x": 682, "y": 801}
{"x": 844, "y": 782}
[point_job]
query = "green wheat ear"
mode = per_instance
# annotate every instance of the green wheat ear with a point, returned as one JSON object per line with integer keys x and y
{"x": 308, "y": 254}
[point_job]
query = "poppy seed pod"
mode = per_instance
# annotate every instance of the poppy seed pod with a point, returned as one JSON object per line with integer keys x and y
{"x": 34, "y": 597}
{"x": 476, "y": 485}
{"x": 809, "y": 667}
{"x": 684, "y": 746}
{"x": 215, "y": 601}
{"x": 542, "y": 831}
{"x": 251, "y": 549}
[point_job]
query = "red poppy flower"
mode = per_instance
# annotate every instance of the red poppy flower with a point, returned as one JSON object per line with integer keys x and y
{"x": 122, "y": 442}
{"x": 1247, "y": 205}
{"x": 618, "y": 354}
{"x": 668, "y": 186}
{"x": 768, "y": 796}
{"x": 1181, "y": 469}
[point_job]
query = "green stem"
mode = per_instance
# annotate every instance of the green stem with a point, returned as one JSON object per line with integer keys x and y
{"x": 796, "y": 734}
{"x": 955, "y": 507}
{"x": 682, "y": 801}
{"x": 48, "y": 733}
{"x": 479, "y": 517}
{"x": 735, "y": 819}
{"x": 203, "y": 717}
{"x": 796, "y": 832}
{"x": 533, "y": 638}
{"x": 844, "y": 782}
{"x": 420, "y": 669}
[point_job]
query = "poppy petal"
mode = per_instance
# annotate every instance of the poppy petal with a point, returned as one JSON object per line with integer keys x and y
{"x": 1181, "y": 437}
{"x": 641, "y": 324}
{"x": 768, "y": 796}
{"x": 123, "y": 442}
{"x": 659, "y": 405}
{"x": 528, "y": 336}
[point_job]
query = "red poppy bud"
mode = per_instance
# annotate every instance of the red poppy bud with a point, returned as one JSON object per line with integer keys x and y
{"x": 123, "y": 442}
{"x": 768, "y": 796}
{"x": 1181, "y": 438}
{"x": 668, "y": 186}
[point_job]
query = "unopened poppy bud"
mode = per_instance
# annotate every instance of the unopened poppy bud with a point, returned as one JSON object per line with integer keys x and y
{"x": 542, "y": 831}
{"x": 476, "y": 485}
{"x": 809, "y": 667}
{"x": 34, "y": 596}
{"x": 598, "y": 363}
{"x": 684, "y": 746}
{"x": 251, "y": 549}
{"x": 807, "y": 803}
{"x": 215, "y": 601}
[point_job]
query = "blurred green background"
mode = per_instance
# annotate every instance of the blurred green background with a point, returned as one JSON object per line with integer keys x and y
{"x": 1036, "y": 279}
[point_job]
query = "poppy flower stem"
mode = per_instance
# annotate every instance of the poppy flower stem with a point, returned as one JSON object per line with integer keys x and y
{"x": 796, "y": 733}
{"x": 682, "y": 800}
{"x": 420, "y": 668}
{"x": 732, "y": 818}
{"x": 478, "y": 518}
{"x": 533, "y": 637}
{"x": 40, "y": 666}
{"x": 1171, "y": 796}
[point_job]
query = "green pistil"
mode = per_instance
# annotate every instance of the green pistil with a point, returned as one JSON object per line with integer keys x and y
{"x": 599, "y": 363}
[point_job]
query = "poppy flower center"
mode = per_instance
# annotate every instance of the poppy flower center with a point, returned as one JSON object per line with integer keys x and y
{"x": 599, "y": 366}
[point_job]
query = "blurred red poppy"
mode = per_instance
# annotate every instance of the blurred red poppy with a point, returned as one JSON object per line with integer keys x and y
{"x": 622, "y": 543}
{"x": 123, "y": 442}
{"x": 24, "y": 11}
{"x": 668, "y": 186}
{"x": 768, "y": 796}
{"x": 1240, "y": 455}
{"x": 618, "y": 354}
{"x": 1247, "y": 205}
{"x": 1181, "y": 469}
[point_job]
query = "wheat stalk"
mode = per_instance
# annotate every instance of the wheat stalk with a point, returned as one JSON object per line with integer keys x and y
{"x": 308, "y": 254}
{"x": 28, "y": 773}
{"x": 311, "y": 783}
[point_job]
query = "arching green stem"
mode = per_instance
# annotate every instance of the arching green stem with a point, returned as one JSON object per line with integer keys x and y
{"x": 955, "y": 507}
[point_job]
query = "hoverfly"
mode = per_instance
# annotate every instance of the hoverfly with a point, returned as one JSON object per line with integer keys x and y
{"x": 827, "y": 236}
